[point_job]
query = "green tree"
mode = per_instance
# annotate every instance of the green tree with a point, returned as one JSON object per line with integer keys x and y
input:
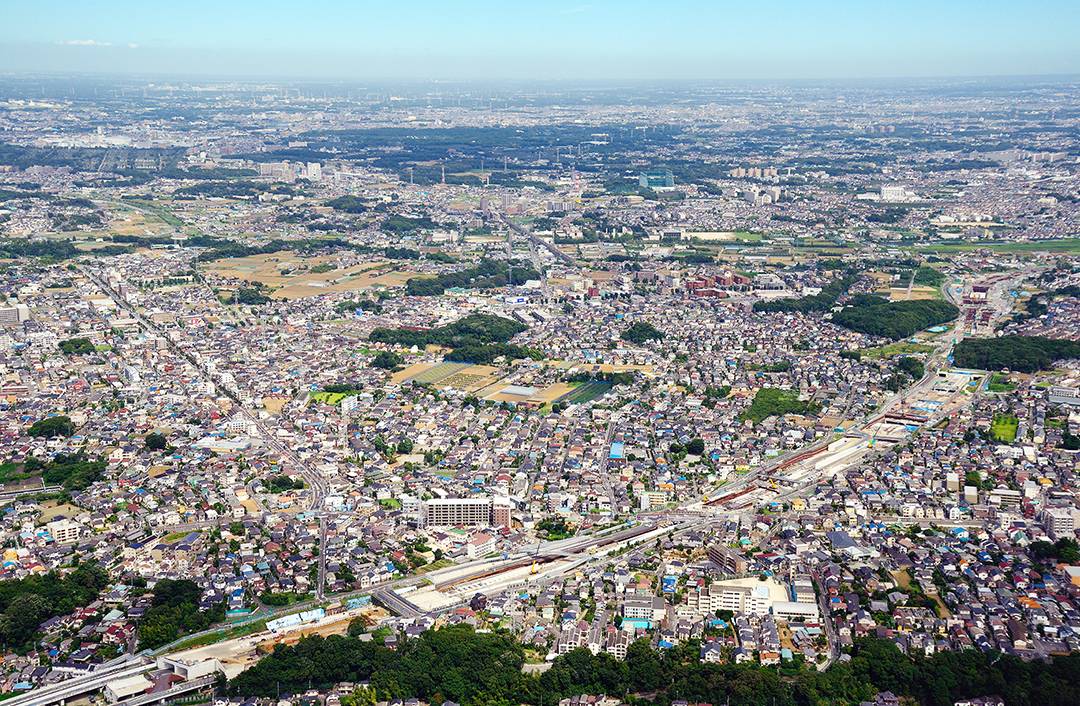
{"x": 156, "y": 442}
{"x": 641, "y": 331}
{"x": 358, "y": 625}
{"x": 386, "y": 360}
{"x": 52, "y": 426}
{"x": 20, "y": 621}
{"x": 646, "y": 670}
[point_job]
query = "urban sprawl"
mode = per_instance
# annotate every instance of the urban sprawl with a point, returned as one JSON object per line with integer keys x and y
{"x": 439, "y": 394}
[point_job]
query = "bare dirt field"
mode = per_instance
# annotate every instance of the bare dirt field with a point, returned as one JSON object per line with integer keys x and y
{"x": 296, "y": 283}
{"x": 551, "y": 394}
{"x": 52, "y": 510}
{"x": 411, "y": 371}
{"x": 274, "y": 404}
{"x": 902, "y": 295}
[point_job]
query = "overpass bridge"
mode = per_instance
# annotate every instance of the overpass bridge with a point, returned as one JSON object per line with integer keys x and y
{"x": 60, "y": 694}
{"x": 537, "y": 241}
{"x": 395, "y": 603}
{"x": 162, "y": 697}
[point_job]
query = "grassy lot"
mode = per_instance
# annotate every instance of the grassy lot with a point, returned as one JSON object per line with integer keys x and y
{"x": 330, "y": 398}
{"x": 1000, "y": 383}
{"x": 159, "y": 209}
{"x": 1004, "y": 428}
{"x": 53, "y": 509}
{"x": 720, "y": 243}
{"x": 896, "y": 349}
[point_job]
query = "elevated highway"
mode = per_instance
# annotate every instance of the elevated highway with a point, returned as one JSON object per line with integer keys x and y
{"x": 161, "y": 697}
{"x": 60, "y": 694}
{"x": 537, "y": 241}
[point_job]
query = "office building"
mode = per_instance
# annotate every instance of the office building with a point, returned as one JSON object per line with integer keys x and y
{"x": 657, "y": 179}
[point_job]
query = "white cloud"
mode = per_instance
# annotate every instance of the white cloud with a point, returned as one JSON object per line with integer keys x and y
{"x": 133, "y": 46}
{"x": 583, "y": 8}
{"x": 88, "y": 43}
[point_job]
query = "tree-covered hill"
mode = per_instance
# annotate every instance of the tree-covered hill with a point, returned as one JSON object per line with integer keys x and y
{"x": 469, "y": 668}
{"x": 875, "y": 316}
{"x": 489, "y": 274}
{"x": 1022, "y": 354}
{"x": 474, "y": 329}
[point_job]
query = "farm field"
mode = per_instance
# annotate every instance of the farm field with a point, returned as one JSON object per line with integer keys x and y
{"x": 1000, "y": 383}
{"x": 901, "y": 294}
{"x": 1062, "y": 245}
{"x": 586, "y": 392}
{"x": 550, "y": 394}
{"x": 895, "y": 349}
{"x": 437, "y": 373}
{"x": 471, "y": 378}
{"x": 331, "y": 398}
{"x": 410, "y": 372}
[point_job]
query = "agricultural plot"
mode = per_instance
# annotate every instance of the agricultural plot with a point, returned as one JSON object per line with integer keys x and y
{"x": 443, "y": 370}
{"x": 902, "y": 348}
{"x": 410, "y": 372}
{"x": 463, "y": 380}
{"x": 916, "y": 293}
{"x": 551, "y": 394}
{"x": 1000, "y": 383}
{"x": 586, "y": 392}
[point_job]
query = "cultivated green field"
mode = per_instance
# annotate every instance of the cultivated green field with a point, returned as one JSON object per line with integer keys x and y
{"x": 1064, "y": 245}
{"x": 439, "y": 372}
{"x": 586, "y": 392}
{"x": 905, "y": 348}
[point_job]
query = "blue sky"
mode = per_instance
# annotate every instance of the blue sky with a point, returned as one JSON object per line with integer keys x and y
{"x": 575, "y": 39}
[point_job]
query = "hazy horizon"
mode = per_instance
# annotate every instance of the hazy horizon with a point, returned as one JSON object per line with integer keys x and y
{"x": 485, "y": 40}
